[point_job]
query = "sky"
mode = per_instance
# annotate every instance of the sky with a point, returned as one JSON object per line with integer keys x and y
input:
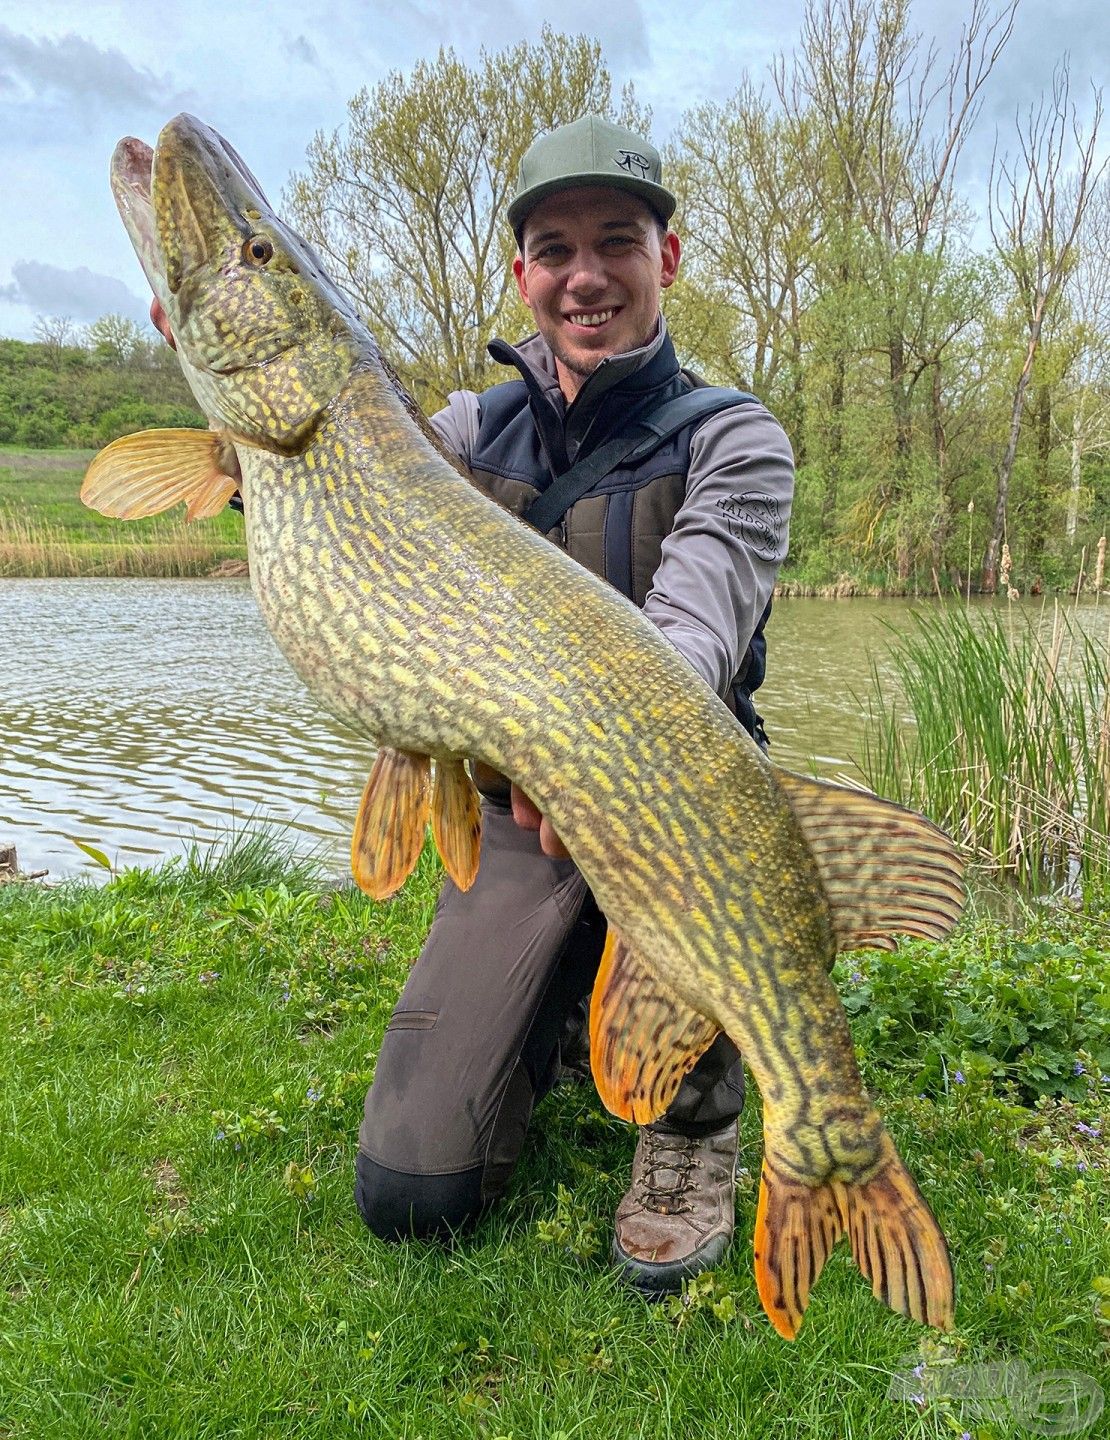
{"x": 75, "y": 77}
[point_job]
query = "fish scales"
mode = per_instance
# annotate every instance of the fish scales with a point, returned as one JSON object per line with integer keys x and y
{"x": 428, "y": 618}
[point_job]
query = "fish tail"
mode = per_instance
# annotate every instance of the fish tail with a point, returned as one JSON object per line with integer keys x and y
{"x": 895, "y": 1240}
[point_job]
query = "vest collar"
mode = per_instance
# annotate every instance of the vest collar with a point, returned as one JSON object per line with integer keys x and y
{"x": 566, "y": 429}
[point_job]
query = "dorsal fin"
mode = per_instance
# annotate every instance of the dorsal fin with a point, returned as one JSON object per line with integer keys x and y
{"x": 885, "y": 870}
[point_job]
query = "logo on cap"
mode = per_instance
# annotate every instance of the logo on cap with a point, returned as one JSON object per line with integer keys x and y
{"x": 635, "y": 163}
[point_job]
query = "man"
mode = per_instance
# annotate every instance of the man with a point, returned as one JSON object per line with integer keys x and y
{"x": 693, "y": 530}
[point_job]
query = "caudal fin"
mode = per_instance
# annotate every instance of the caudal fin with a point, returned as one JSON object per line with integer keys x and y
{"x": 895, "y": 1240}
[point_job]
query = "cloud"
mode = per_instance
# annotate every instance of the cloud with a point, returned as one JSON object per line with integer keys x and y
{"x": 75, "y": 71}
{"x": 81, "y": 293}
{"x": 303, "y": 49}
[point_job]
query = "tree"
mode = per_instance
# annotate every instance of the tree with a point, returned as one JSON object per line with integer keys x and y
{"x": 55, "y": 333}
{"x": 1035, "y": 214}
{"x": 116, "y": 339}
{"x": 408, "y": 206}
{"x": 871, "y": 89}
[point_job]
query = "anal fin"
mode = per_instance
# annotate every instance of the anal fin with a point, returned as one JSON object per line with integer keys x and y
{"x": 643, "y": 1039}
{"x": 456, "y": 821}
{"x": 392, "y": 818}
{"x": 146, "y": 473}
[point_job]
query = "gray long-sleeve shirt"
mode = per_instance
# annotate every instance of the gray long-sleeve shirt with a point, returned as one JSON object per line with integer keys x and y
{"x": 730, "y": 535}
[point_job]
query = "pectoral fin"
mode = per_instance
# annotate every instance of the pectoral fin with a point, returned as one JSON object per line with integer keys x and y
{"x": 145, "y": 473}
{"x": 389, "y": 829}
{"x": 643, "y": 1039}
{"x": 456, "y": 821}
{"x": 886, "y": 870}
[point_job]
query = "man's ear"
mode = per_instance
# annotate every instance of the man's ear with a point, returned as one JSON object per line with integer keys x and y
{"x": 521, "y": 281}
{"x": 671, "y": 251}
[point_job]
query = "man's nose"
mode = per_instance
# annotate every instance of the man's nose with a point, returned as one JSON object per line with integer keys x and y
{"x": 587, "y": 274}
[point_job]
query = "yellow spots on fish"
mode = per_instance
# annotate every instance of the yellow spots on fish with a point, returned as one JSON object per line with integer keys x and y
{"x": 512, "y": 727}
{"x": 559, "y": 706}
{"x": 757, "y": 896}
{"x": 400, "y": 676}
{"x": 600, "y": 779}
{"x": 624, "y": 725}
{"x": 596, "y": 668}
{"x": 716, "y": 872}
{"x": 503, "y": 653}
{"x": 475, "y": 679}
{"x": 339, "y": 450}
{"x": 735, "y": 911}
{"x": 333, "y": 525}
{"x": 396, "y": 628}
{"x": 310, "y": 459}
{"x": 344, "y": 504}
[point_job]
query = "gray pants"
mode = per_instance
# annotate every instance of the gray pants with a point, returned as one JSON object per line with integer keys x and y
{"x": 473, "y": 1043}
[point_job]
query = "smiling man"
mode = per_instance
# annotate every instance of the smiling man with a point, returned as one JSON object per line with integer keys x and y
{"x": 680, "y": 497}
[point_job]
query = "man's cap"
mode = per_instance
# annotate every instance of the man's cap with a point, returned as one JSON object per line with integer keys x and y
{"x": 590, "y": 151}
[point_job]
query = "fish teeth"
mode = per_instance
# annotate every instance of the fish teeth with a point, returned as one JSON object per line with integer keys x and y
{"x": 598, "y": 319}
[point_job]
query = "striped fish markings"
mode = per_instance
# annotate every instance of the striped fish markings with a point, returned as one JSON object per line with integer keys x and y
{"x": 435, "y": 622}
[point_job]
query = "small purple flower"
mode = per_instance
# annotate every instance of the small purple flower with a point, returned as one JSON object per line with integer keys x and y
{"x": 1079, "y": 1068}
{"x": 1081, "y": 1166}
{"x": 1091, "y": 1130}
{"x": 208, "y": 977}
{"x": 918, "y": 1400}
{"x": 966, "y": 1435}
{"x": 285, "y": 996}
{"x": 221, "y": 1134}
{"x": 312, "y": 1095}
{"x": 1104, "y": 1079}
{"x": 855, "y": 977}
{"x": 959, "y": 1078}
{"x": 919, "y": 1370}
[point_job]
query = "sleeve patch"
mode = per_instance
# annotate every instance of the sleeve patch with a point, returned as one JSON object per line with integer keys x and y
{"x": 754, "y": 518}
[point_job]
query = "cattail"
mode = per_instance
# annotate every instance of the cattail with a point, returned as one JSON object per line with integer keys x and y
{"x": 971, "y": 507}
{"x": 1100, "y": 565}
{"x": 1007, "y": 564}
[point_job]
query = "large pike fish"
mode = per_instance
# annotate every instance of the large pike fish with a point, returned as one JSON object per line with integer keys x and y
{"x": 435, "y": 622}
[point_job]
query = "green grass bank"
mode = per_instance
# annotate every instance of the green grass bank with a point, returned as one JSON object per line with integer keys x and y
{"x": 46, "y": 531}
{"x": 184, "y": 1057}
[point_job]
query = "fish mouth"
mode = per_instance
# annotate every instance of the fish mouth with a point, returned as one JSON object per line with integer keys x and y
{"x": 179, "y": 202}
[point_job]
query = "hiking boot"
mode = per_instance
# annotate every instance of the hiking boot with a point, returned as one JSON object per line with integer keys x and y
{"x": 678, "y": 1215}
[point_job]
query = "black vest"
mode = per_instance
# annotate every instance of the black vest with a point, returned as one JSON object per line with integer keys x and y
{"x": 617, "y": 529}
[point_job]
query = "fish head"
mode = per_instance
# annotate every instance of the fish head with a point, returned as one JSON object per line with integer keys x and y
{"x": 265, "y": 338}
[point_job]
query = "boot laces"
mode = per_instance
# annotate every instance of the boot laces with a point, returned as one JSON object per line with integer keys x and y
{"x": 667, "y": 1156}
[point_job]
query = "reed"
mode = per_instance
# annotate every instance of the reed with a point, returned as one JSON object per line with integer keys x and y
{"x": 35, "y": 549}
{"x": 1008, "y": 745}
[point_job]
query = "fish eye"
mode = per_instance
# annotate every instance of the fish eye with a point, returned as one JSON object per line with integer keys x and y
{"x": 257, "y": 251}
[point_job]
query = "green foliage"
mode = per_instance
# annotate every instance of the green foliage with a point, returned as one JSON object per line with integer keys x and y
{"x": 73, "y": 395}
{"x": 1028, "y": 1018}
{"x": 1010, "y": 747}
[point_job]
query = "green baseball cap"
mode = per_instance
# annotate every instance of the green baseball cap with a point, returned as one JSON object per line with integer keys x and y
{"x": 590, "y": 151}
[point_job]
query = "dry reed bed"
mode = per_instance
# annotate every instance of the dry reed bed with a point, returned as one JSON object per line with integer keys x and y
{"x": 35, "y": 550}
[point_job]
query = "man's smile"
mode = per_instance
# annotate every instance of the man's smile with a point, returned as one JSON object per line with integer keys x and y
{"x": 591, "y": 319}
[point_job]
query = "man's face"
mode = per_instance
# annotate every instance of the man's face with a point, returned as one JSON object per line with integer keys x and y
{"x": 594, "y": 261}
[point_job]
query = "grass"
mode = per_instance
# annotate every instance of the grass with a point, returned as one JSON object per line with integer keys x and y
{"x": 185, "y": 1054}
{"x": 46, "y": 531}
{"x": 1010, "y": 746}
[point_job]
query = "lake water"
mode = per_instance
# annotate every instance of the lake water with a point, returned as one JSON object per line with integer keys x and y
{"x": 141, "y": 715}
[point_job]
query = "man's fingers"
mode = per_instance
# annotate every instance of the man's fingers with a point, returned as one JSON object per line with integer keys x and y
{"x": 161, "y": 322}
{"x": 550, "y": 843}
{"x": 527, "y": 816}
{"x": 524, "y": 812}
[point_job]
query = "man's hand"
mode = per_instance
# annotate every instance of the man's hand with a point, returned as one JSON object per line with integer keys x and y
{"x": 160, "y": 320}
{"x": 529, "y": 818}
